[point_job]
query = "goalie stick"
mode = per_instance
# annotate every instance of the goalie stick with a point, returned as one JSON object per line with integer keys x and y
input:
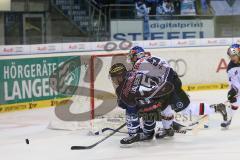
{"x": 98, "y": 142}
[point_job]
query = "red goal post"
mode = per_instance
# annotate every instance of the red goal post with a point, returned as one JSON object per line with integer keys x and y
{"x": 93, "y": 76}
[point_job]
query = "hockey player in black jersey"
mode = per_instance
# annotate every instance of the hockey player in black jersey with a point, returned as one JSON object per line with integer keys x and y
{"x": 142, "y": 97}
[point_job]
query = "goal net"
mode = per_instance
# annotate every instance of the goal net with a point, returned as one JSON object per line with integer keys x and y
{"x": 94, "y": 105}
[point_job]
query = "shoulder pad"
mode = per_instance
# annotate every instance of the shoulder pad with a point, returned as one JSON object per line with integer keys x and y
{"x": 232, "y": 65}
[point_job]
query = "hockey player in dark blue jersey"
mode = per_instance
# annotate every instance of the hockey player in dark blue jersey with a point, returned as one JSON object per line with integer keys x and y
{"x": 142, "y": 97}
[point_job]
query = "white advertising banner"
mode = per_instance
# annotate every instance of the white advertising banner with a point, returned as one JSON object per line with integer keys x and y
{"x": 9, "y": 50}
{"x": 162, "y": 29}
{"x": 197, "y": 65}
{"x": 45, "y": 48}
{"x": 15, "y": 49}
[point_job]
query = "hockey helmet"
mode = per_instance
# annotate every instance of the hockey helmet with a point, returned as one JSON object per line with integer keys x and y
{"x": 136, "y": 52}
{"x": 117, "y": 69}
{"x": 234, "y": 50}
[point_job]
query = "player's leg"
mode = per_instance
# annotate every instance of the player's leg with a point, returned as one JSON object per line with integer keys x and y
{"x": 167, "y": 121}
{"x": 181, "y": 103}
{"x": 198, "y": 109}
{"x": 136, "y": 133}
{"x": 232, "y": 108}
{"x": 179, "y": 100}
{"x": 149, "y": 125}
{"x": 133, "y": 125}
{"x": 229, "y": 108}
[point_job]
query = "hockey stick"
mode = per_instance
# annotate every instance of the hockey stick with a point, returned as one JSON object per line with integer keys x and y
{"x": 182, "y": 130}
{"x": 106, "y": 129}
{"x": 195, "y": 124}
{"x": 111, "y": 129}
{"x": 98, "y": 142}
{"x": 198, "y": 121}
{"x": 175, "y": 124}
{"x": 201, "y": 123}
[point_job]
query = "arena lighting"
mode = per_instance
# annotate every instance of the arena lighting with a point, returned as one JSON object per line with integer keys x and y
{"x": 5, "y": 5}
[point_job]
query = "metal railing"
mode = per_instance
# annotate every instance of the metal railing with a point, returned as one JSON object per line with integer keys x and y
{"x": 95, "y": 25}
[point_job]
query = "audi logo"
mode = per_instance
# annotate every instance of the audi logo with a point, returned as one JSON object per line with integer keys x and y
{"x": 124, "y": 45}
{"x": 179, "y": 66}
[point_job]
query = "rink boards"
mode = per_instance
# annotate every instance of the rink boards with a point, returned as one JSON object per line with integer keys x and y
{"x": 25, "y": 79}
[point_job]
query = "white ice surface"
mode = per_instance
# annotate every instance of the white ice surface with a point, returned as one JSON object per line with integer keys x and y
{"x": 45, "y": 144}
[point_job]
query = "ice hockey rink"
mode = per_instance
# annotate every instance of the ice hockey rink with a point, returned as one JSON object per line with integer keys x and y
{"x": 207, "y": 144}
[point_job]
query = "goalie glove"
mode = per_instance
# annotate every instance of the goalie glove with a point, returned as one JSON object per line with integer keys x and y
{"x": 232, "y": 95}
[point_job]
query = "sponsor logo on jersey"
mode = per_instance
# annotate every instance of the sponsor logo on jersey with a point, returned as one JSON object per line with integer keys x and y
{"x": 153, "y": 107}
{"x": 128, "y": 86}
{"x": 137, "y": 81}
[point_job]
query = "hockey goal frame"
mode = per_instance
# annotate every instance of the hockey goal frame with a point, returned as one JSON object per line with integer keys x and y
{"x": 92, "y": 78}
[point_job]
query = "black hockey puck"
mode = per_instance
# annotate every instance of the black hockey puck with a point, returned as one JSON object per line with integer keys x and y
{"x": 27, "y": 141}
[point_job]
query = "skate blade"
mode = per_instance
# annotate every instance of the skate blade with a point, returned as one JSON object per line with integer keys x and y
{"x": 225, "y": 128}
{"x": 167, "y": 138}
{"x": 127, "y": 145}
{"x": 135, "y": 144}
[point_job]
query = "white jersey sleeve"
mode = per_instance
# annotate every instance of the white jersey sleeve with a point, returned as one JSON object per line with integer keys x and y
{"x": 152, "y": 66}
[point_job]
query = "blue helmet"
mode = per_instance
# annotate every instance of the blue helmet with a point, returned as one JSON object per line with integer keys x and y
{"x": 234, "y": 50}
{"x": 136, "y": 52}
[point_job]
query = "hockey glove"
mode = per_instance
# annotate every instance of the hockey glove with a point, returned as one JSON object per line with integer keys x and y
{"x": 232, "y": 95}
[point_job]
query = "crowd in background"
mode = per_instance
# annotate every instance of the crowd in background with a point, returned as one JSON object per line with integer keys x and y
{"x": 165, "y": 7}
{"x": 158, "y": 8}
{"x": 173, "y": 7}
